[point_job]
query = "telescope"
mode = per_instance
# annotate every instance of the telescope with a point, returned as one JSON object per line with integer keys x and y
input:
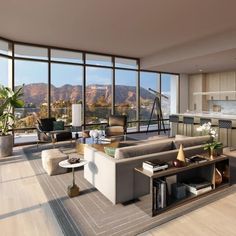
{"x": 158, "y": 94}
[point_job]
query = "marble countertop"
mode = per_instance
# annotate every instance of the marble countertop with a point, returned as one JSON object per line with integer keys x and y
{"x": 212, "y": 115}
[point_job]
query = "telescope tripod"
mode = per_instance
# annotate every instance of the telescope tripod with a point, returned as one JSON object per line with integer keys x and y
{"x": 160, "y": 120}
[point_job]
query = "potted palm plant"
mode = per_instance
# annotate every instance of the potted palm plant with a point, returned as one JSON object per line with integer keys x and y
{"x": 8, "y": 101}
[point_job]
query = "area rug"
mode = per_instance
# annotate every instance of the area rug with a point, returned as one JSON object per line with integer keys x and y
{"x": 92, "y": 214}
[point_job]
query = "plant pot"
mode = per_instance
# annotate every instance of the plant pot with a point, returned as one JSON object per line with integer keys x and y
{"x": 6, "y": 145}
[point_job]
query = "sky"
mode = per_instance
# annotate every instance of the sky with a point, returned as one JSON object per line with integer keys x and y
{"x": 37, "y": 72}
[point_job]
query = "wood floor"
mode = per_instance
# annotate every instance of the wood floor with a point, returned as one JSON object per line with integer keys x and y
{"x": 24, "y": 209}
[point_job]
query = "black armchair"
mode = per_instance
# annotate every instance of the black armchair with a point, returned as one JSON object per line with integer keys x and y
{"x": 117, "y": 125}
{"x": 48, "y": 132}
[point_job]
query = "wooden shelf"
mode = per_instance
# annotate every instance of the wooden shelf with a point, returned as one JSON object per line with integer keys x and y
{"x": 200, "y": 170}
{"x": 174, "y": 170}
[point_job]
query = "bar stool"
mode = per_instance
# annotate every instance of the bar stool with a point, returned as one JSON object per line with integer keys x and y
{"x": 204, "y": 121}
{"x": 174, "y": 119}
{"x": 188, "y": 121}
{"x": 226, "y": 124}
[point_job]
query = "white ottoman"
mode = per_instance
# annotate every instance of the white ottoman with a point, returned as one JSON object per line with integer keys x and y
{"x": 51, "y": 159}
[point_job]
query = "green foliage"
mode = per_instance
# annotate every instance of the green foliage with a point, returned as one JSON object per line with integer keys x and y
{"x": 9, "y": 100}
{"x": 213, "y": 145}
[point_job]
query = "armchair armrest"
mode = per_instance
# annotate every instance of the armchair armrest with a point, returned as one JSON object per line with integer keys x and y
{"x": 43, "y": 136}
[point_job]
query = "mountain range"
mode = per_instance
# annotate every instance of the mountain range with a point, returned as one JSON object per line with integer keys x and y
{"x": 36, "y": 94}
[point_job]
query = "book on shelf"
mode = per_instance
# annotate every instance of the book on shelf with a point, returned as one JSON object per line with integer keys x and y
{"x": 198, "y": 191}
{"x": 196, "y": 159}
{"x": 154, "y": 166}
{"x": 161, "y": 194}
{"x": 198, "y": 185}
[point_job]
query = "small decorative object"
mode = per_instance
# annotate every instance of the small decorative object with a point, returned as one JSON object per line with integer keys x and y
{"x": 218, "y": 177}
{"x": 178, "y": 190}
{"x": 74, "y": 160}
{"x": 100, "y": 133}
{"x": 93, "y": 133}
{"x": 96, "y": 133}
{"x": 212, "y": 145}
{"x": 225, "y": 173}
{"x": 181, "y": 156}
{"x": 180, "y": 160}
{"x": 177, "y": 163}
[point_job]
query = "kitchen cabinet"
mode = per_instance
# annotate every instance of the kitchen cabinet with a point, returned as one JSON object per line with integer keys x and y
{"x": 227, "y": 83}
{"x": 213, "y": 85}
{"x": 196, "y": 85}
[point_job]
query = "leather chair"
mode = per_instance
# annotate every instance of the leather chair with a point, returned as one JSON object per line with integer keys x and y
{"x": 46, "y": 132}
{"x": 117, "y": 125}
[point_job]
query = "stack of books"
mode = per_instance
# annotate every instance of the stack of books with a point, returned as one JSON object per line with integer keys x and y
{"x": 198, "y": 186}
{"x": 153, "y": 166}
{"x": 161, "y": 188}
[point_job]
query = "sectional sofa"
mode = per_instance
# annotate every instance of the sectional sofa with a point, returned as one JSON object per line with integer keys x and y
{"x": 115, "y": 177}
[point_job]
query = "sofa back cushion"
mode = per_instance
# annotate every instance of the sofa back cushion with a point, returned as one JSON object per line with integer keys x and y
{"x": 191, "y": 141}
{"x": 46, "y": 124}
{"x": 143, "y": 149}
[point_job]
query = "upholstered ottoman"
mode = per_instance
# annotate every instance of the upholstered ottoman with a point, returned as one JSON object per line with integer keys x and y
{"x": 51, "y": 159}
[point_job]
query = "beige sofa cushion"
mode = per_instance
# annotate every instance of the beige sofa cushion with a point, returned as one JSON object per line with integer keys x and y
{"x": 144, "y": 148}
{"x": 191, "y": 141}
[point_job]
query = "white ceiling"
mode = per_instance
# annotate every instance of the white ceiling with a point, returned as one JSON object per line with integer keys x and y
{"x": 136, "y": 28}
{"x": 216, "y": 62}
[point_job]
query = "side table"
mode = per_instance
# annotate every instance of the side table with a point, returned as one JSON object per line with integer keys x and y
{"x": 73, "y": 189}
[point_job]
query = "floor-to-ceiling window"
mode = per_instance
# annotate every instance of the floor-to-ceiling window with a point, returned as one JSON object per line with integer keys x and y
{"x": 98, "y": 94}
{"x": 5, "y": 64}
{"x": 126, "y": 90}
{"x": 66, "y": 89}
{"x": 66, "y": 83}
{"x": 31, "y": 72}
{"x": 98, "y": 88}
{"x": 4, "y": 72}
{"x": 105, "y": 84}
{"x": 149, "y": 90}
{"x": 169, "y": 88}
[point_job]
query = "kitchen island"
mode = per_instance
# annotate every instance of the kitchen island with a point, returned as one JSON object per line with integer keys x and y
{"x": 214, "y": 116}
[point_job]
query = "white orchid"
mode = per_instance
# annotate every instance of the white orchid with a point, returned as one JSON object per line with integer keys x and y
{"x": 199, "y": 129}
{"x": 212, "y": 144}
{"x": 206, "y": 129}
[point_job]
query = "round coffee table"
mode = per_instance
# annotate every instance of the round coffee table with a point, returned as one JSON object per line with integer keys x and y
{"x": 73, "y": 189}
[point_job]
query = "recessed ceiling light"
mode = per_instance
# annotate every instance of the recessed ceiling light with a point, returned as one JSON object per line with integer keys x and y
{"x": 200, "y": 70}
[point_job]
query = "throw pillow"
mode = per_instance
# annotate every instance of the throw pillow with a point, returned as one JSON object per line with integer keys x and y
{"x": 58, "y": 125}
{"x": 110, "y": 151}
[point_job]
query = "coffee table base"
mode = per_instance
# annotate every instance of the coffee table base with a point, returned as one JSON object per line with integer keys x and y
{"x": 73, "y": 190}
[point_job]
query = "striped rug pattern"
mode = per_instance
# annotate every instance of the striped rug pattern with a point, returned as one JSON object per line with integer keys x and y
{"x": 92, "y": 214}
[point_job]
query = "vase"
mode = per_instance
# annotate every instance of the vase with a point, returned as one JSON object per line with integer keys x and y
{"x": 218, "y": 177}
{"x": 212, "y": 153}
{"x": 225, "y": 173}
